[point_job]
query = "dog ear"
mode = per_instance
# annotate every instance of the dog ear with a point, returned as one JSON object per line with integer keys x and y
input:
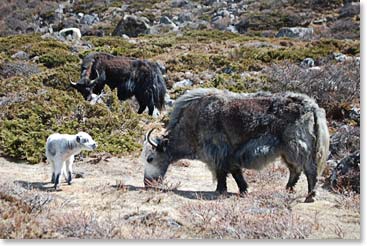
{"x": 77, "y": 139}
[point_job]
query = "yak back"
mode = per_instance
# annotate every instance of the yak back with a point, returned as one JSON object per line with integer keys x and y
{"x": 229, "y": 119}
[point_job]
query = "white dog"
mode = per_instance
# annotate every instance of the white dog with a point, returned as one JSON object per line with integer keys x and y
{"x": 61, "y": 148}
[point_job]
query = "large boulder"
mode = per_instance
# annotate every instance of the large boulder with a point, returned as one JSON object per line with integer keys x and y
{"x": 132, "y": 26}
{"x": 242, "y": 26}
{"x": 296, "y": 32}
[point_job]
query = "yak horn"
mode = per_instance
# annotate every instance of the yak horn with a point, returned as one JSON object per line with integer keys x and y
{"x": 71, "y": 82}
{"x": 94, "y": 80}
{"x": 154, "y": 144}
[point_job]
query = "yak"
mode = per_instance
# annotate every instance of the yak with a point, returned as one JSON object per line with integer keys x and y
{"x": 230, "y": 131}
{"x": 132, "y": 77}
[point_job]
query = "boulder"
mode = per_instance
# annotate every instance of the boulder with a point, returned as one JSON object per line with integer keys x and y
{"x": 182, "y": 83}
{"x": 296, "y": 32}
{"x": 71, "y": 34}
{"x": 132, "y": 26}
{"x": 242, "y": 26}
{"x": 307, "y": 63}
{"x": 89, "y": 19}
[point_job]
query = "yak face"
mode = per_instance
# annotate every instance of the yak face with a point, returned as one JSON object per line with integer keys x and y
{"x": 85, "y": 87}
{"x": 156, "y": 160}
{"x": 85, "y": 141}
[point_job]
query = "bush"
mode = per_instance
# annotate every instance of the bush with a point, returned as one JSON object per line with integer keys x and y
{"x": 334, "y": 85}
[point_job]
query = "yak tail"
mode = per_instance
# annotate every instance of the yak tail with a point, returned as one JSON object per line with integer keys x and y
{"x": 159, "y": 88}
{"x": 322, "y": 139}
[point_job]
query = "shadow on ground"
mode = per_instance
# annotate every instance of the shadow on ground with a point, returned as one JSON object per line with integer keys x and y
{"x": 193, "y": 195}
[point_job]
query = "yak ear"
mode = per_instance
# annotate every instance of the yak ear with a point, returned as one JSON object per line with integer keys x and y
{"x": 162, "y": 146}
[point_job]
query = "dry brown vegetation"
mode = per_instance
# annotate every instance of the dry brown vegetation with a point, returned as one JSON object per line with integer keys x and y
{"x": 110, "y": 202}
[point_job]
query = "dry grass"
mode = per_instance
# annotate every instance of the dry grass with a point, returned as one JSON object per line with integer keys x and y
{"x": 110, "y": 202}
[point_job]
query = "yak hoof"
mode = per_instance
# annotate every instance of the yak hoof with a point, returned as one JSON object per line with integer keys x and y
{"x": 290, "y": 190}
{"x": 310, "y": 197}
{"x": 243, "y": 193}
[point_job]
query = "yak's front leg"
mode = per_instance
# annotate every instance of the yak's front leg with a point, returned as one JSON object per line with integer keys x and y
{"x": 221, "y": 181}
{"x": 240, "y": 180}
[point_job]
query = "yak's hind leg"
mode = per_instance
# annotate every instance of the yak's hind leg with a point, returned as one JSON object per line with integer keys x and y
{"x": 51, "y": 162}
{"x": 299, "y": 156}
{"x": 294, "y": 174}
{"x": 311, "y": 174}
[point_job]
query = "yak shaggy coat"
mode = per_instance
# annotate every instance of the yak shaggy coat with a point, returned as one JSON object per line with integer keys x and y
{"x": 230, "y": 131}
{"x": 132, "y": 77}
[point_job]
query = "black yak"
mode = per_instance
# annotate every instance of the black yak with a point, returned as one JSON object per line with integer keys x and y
{"x": 230, "y": 131}
{"x": 132, "y": 77}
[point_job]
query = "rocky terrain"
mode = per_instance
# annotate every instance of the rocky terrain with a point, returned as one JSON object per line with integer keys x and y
{"x": 311, "y": 47}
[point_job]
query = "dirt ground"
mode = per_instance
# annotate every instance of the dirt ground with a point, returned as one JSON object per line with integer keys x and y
{"x": 112, "y": 189}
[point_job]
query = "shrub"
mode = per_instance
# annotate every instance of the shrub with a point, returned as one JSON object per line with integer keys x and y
{"x": 333, "y": 86}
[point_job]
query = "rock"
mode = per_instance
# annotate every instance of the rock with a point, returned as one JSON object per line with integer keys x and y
{"x": 10, "y": 69}
{"x": 346, "y": 175}
{"x": 182, "y": 83}
{"x": 72, "y": 33}
{"x": 319, "y": 21}
{"x": 296, "y": 32}
{"x": 350, "y": 10}
{"x": 339, "y": 57}
{"x": 166, "y": 20}
{"x": 179, "y": 3}
{"x": 21, "y": 55}
{"x": 183, "y": 17}
{"x": 242, "y": 26}
{"x": 132, "y": 26}
{"x": 308, "y": 62}
{"x": 89, "y": 19}
{"x": 168, "y": 101}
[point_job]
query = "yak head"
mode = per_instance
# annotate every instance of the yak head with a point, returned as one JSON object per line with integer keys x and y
{"x": 85, "y": 86}
{"x": 156, "y": 159}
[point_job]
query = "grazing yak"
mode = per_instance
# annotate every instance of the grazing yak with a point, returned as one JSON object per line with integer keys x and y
{"x": 230, "y": 131}
{"x": 60, "y": 151}
{"x": 132, "y": 77}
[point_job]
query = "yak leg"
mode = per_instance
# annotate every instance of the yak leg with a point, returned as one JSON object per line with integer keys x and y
{"x": 58, "y": 168}
{"x": 294, "y": 174}
{"x": 311, "y": 174}
{"x": 52, "y": 170}
{"x": 69, "y": 169}
{"x": 241, "y": 183}
{"x": 221, "y": 181}
{"x": 151, "y": 105}
{"x": 142, "y": 107}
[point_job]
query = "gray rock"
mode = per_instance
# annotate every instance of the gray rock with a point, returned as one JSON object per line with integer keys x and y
{"x": 182, "y": 83}
{"x": 319, "y": 21}
{"x": 242, "y": 26}
{"x": 339, "y": 57}
{"x": 132, "y": 26}
{"x": 179, "y": 3}
{"x": 89, "y": 19}
{"x": 21, "y": 55}
{"x": 183, "y": 17}
{"x": 296, "y": 32}
{"x": 165, "y": 20}
{"x": 308, "y": 62}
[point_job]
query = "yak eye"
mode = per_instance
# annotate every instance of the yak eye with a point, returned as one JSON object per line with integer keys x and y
{"x": 150, "y": 159}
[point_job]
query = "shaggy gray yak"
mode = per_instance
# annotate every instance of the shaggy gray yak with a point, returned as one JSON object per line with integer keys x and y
{"x": 230, "y": 131}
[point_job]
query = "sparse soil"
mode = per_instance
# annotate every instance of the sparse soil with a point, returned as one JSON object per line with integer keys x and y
{"x": 110, "y": 201}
